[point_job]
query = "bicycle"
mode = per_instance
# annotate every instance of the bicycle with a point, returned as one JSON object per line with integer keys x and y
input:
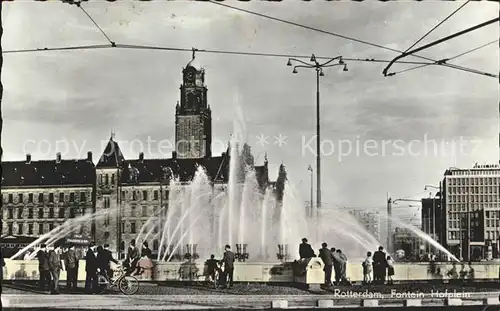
{"x": 127, "y": 284}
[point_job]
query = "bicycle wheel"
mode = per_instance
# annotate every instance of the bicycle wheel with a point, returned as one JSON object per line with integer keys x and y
{"x": 102, "y": 284}
{"x": 128, "y": 285}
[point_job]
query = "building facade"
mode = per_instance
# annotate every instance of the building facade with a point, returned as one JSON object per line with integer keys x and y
{"x": 38, "y": 196}
{"x": 433, "y": 218}
{"x": 405, "y": 240}
{"x": 121, "y": 194}
{"x": 472, "y": 207}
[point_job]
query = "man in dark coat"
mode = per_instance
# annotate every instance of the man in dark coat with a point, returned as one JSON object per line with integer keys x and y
{"x": 305, "y": 250}
{"x": 91, "y": 268}
{"x": 228, "y": 261}
{"x": 43, "y": 267}
{"x": 211, "y": 267}
{"x": 2, "y": 265}
{"x": 132, "y": 258}
{"x": 108, "y": 255}
{"x": 379, "y": 266}
{"x": 55, "y": 267}
{"x": 326, "y": 256}
{"x": 71, "y": 263}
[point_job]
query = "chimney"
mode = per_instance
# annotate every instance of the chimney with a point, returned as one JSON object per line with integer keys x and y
{"x": 28, "y": 158}
{"x": 58, "y": 157}
{"x": 174, "y": 155}
{"x": 141, "y": 156}
{"x": 89, "y": 156}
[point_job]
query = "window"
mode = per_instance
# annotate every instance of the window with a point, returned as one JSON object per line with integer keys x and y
{"x": 106, "y": 202}
{"x": 72, "y": 197}
{"x": 51, "y": 213}
{"x": 51, "y": 226}
{"x": 40, "y": 198}
{"x": 30, "y": 213}
{"x": 132, "y": 211}
{"x": 20, "y": 213}
{"x": 40, "y": 228}
{"x": 113, "y": 179}
{"x": 132, "y": 227}
{"x": 20, "y": 197}
{"x": 134, "y": 196}
{"x": 30, "y": 198}
{"x": 61, "y": 213}
{"x": 144, "y": 211}
{"x": 11, "y": 229}
{"x": 30, "y": 229}
{"x": 11, "y": 213}
{"x": 123, "y": 194}
{"x": 123, "y": 227}
{"x": 106, "y": 179}
{"x": 20, "y": 229}
{"x": 51, "y": 198}
{"x": 61, "y": 197}
{"x": 83, "y": 197}
{"x": 144, "y": 195}
{"x": 11, "y": 198}
{"x": 155, "y": 195}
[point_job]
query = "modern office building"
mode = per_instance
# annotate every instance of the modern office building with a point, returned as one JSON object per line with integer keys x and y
{"x": 472, "y": 207}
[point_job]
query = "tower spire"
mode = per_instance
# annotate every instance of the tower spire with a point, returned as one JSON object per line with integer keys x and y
{"x": 194, "y": 52}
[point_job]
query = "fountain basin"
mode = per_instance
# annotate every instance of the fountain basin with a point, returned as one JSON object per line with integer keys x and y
{"x": 265, "y": 272}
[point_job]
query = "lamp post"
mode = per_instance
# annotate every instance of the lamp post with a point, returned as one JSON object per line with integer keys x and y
{"x": 311, "y": 204}
{"x": 314, "y": 64}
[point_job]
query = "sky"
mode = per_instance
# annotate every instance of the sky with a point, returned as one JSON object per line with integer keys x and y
{"x": 403, "y": 131}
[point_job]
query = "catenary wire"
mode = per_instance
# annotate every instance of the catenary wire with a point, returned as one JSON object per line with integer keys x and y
{"x": 145, "y": 47}
{"x": 446, "y": 59}
{"x": 95, "y": 23}
{"x": 435, "y": 27}
{"x": 462, "y": 68}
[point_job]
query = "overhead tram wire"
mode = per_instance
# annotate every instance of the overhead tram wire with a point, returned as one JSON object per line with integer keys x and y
{"x": 446, "y": 59}
{"x": 462, "y": 68}
{"x": 96, "y": 24}
{"x": 159, "y": 48}
{"x": 439, "y": 24}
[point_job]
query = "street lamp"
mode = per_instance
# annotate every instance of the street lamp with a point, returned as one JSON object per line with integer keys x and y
{"x": 314, "y": 64}
{"x": 310, "y": 169}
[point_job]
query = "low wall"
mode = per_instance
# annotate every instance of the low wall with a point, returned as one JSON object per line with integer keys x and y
{"x": 268, "y": 272}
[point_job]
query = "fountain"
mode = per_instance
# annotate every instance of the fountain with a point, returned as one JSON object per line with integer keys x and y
{"x": 241, "y": 252}
{"x": 190, "y": 252}
{"x": 283, "y": 254}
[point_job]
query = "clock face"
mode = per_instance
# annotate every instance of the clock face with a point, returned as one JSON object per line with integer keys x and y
{"x": 189, "y": 77}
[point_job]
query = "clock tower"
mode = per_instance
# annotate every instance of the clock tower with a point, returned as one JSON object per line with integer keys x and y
{"x": 193, "y": 117}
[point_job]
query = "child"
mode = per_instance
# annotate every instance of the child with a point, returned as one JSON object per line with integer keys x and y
{"x": 368, "y": 268}
{"x": 390, "y": 269}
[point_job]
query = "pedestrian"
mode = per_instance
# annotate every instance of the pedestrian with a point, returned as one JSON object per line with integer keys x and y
{"x": 228, "y": 261}
{"x": 2, "y": 263}
{"x": 326, "y": 256}
{"x": 91, "y": 269}
{"x": 343, "y": 266}
{"x": 390, "y": 269}
{"x": 55, "y": 267}
{"x": 337, "y": 265}
{"x": 368, "y": 268}
{"x": 305, "y": 250}
{"x": 71, "y": 264}
{"x": 43, "y": 267}
{"x": 379, "y": 266}
{"x": 108, "y": 259}
{"x": 132, "y": 258}
{"x": 211, "y": 268}
{"x": 145, "y": 262}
